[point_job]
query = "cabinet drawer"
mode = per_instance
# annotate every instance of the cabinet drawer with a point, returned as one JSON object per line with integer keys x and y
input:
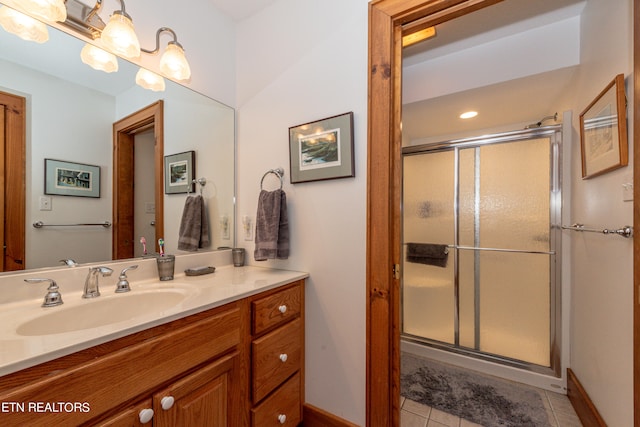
{"x": 284, "y": 402}
{"x": 276, "y": 308}
{"x": 276, "y": 356}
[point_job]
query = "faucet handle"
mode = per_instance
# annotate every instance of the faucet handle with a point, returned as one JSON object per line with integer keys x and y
{"x": 69, "y": 262}
{"x": 123, "y": 283}
{"x": 53, "y": 296}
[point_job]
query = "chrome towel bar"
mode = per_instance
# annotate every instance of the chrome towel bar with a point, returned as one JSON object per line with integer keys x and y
{"x": 626, "y": 231}
{"x": 40, "y": 224}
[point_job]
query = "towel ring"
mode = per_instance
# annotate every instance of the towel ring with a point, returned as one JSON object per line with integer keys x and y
{"x": 279, "y": 172}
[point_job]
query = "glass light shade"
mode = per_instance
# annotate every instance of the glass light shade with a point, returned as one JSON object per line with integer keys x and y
{"x": 23, "y": 26}
{"x": 48, "y": 10}
{"x": 149, "y": 80}
{"x": 99, "y": 59}
{"x": 119, "y": 36}
{"x": 174, "y": 64}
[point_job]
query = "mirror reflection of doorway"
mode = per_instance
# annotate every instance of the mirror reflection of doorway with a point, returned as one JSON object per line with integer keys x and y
{"x": 144, "y": 195}
{"x": 12, "y": 177}
{"x": 127, "y": 134}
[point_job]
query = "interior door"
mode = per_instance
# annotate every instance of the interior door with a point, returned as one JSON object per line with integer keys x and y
{"x": 12, "y": 180}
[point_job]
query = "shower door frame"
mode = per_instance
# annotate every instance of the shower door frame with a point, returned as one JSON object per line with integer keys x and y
{"x": 554, "y": 133}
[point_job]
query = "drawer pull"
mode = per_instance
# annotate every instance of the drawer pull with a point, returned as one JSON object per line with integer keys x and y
{"x": 283, "y": 357}
{"x": 167, "y": 402}
{"x": 282, "y": 418}
{"x": 145, "y": 415}
{"x": 282, "y": 309}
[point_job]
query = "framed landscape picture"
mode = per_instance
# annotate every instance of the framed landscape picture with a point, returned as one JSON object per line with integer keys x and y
{"x": 179, "y": 173}
{"x": 322, "y": 149}
{"x": 63, "y": 178}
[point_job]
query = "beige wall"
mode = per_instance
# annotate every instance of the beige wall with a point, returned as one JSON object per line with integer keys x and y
{"x": 602, "y": 266}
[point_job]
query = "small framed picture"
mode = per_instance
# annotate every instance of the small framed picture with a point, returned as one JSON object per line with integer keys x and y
{"x": 179, "y": 173}
{"x": 322, "y": 149}
{"x": 63, "y": 178}
{"x": 603, "y": 131}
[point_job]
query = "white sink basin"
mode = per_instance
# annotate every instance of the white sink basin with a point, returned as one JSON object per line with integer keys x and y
{"x": 101, "y": 311}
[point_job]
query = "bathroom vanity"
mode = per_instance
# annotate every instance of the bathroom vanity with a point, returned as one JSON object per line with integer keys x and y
{"x": 233, "y": 355}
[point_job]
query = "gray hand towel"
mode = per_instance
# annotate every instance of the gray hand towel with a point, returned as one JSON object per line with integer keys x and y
{"x": 272, "y": 226}
{"x": 194, "y": 227}
{"x": 428, "y": 253}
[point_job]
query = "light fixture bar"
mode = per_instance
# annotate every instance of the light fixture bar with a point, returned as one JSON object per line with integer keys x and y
{"x": 162, "y": 30}
{"x": 84, "y": 19}
{"x": 418, "y": 36}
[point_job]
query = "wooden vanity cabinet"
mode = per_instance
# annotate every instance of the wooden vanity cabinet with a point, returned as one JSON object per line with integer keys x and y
{"x": 277, "y": 357}
{"x": 215, "y": 368}
{"x": 199, "y": 399}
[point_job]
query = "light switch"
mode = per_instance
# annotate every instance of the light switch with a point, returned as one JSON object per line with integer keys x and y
{"x": 247, "y": 227}
{"x": 45, "y": 203}
{"x": 627, "y": 192}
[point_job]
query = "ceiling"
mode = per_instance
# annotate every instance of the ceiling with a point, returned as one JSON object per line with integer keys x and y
{"x": 436, "y": 119}
{"x": 241, "y": 9}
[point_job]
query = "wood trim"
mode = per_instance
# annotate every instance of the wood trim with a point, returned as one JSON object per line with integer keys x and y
{"x": 635, "y": 116}
{"x": 14, "y": 181}
{"x": 586, "y": 410}
{"x": 123, "y": 151}
{"x": 315, "y": 417}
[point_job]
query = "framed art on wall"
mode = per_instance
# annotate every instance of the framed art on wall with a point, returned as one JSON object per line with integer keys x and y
{"x": 179, "y": 173}
{"x": 603, "y": 131}
{"x": 63, "y": 178}
{"x": 322, "y": 149}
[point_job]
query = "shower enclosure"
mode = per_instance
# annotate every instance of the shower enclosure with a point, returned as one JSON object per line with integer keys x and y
{"x": 481, "y": 237}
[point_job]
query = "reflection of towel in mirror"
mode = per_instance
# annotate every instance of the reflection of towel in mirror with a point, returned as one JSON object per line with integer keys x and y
{"x": 272, "y": 226}
{"x": 428, "y": 253}
{"x": 194, "y": 227}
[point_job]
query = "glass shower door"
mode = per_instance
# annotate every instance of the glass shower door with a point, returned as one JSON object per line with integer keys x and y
{"x": 490, "y": 205}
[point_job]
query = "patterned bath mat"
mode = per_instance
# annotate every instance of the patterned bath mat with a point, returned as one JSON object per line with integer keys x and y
{"x": 477, "y": 398}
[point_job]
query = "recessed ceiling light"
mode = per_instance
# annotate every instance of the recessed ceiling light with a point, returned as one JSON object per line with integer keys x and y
{"x": 468, "y": 114}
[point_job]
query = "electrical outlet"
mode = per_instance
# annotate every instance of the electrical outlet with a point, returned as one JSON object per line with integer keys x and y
{"x": 247, "y": 227}
{"x": 45, "y": 203}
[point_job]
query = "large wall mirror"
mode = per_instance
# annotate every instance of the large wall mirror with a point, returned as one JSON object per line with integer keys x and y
{"x": 70, "y": 111}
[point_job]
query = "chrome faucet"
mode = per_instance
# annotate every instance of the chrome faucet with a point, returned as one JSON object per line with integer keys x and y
{"x": 69, "y": 262}
{"x": 91, "y": 289}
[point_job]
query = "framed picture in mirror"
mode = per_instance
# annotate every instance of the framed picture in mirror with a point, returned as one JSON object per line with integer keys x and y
{"x": 63, "y": 178}
{"x": 322, "y": 149}
{"x": 179, "y": 173}
{"x": 603, "y": 131}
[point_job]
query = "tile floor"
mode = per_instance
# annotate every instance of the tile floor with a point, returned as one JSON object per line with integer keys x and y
{"x": 413, "y": 414}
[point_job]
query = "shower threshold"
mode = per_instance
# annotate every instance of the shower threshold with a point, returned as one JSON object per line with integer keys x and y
{"x": 514, "y": 370}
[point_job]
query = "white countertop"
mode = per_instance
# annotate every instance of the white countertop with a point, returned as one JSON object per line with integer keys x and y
{"x": 201, "y": 293}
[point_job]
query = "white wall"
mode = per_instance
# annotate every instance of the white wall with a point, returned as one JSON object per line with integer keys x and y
{"x": 75, "y": 133}
{"x": 602, "y": 266}
{"x": 301, "y": 61}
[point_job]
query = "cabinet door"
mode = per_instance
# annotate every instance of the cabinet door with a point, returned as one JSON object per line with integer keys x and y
{"x": 203, "y": 398}
{"x": 130, "y": 417}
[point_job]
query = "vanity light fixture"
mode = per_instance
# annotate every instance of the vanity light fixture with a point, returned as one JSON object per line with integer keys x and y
{"x": 23, "y": 26}
{"x": 149, "y": 80}
{"x": 119, "y": 36}
{"x": 47, "y": 10}
{"x": 173, "y": 62}
{"x": 468, "y": 114}
{"x": 99, "y": 59}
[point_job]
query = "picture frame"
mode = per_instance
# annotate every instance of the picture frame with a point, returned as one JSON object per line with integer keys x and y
{"x": 179, "y": 173}
{"x": 322, "y": 149}
{"x": 603, "y": 131}
{"x": 63, "y": 178}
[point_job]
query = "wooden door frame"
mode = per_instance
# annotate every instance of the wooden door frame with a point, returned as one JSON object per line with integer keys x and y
{"x": 124, "y": 132}
{"x": 14, "y": 181}
{"x": 386, "y": 18}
